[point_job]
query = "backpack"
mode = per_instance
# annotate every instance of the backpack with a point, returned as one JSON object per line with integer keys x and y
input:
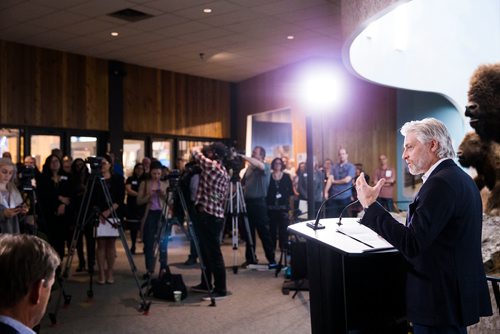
{"x": 164, "y": 286}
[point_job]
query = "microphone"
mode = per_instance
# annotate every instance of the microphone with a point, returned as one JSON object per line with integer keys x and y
{"x": 317, "y": 225}
{"x": 342, "y": 212}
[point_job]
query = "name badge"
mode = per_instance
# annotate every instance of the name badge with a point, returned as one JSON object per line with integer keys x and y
{"x": 278, "y": 195}
{"x": 134, "y": 183}
{"x": 388, "y": 173}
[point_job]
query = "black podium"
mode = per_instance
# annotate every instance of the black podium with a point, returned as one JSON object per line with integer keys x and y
{"x": 356, "y": 280}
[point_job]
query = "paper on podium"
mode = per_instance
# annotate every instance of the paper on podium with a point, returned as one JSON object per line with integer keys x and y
{"x": 364, "y": 235}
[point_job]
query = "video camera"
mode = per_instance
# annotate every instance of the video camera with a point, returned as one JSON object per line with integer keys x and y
{"x": 27, "y": 176}
{"x": 173, "y": 178}
{"x": 95, "y": 164}
{"x": 234, "y": 161}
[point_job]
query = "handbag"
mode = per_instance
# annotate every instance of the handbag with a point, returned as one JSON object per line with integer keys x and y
{"x": 108, "y": 227}
{"x": 164, "y": 286}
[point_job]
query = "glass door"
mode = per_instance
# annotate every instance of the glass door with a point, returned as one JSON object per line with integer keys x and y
{"x": 41, "y": 147}
{"x": 133, "y": 152}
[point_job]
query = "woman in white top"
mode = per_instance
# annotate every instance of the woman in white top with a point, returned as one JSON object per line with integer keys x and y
{"x": 11, "y": 201}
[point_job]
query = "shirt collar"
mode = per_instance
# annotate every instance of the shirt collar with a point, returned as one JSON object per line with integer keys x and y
{"x": 20, "y": 327}
{"x": 426, "y": 174}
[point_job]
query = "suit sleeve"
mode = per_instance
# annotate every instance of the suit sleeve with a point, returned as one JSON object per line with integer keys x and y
{"x": 428, "y": 215}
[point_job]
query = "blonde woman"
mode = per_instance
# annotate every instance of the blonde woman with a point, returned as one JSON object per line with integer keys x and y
{"x": 11, "y": 202}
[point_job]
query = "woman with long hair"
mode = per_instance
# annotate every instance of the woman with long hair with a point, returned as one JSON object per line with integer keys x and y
{"x": 134, "y": 212}
{"x": 153, "y": 192}
{"x": 11, "y": 201}
{"x": 106, "y": 245}
{"x": 54, "y": 197}
{"x": 279, "y": 202}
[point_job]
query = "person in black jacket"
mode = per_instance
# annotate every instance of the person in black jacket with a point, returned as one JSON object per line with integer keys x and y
{"x": 279, "y": 200}
{"x": 446, "y": 284}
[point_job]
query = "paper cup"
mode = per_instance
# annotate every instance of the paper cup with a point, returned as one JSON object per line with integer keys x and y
{"x": 177, "y": 296}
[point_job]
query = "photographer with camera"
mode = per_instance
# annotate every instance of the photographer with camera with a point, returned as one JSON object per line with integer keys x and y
{"x": 255, "y": 184}
{"x": 153, "y": 193}
{"x": 210, "y": 198}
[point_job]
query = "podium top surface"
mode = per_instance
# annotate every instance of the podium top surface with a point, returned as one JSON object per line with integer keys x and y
{"x": 351, "y": 238}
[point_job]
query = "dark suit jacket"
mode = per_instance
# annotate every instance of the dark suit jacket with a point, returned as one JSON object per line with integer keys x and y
{"x": 446, "y": 283}
{"x": 6, "y": 329}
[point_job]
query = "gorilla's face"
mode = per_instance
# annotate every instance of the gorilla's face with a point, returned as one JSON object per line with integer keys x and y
{"x": 484, "y": 121}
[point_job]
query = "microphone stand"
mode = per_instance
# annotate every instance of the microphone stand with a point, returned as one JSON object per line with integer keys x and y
{"x": 342, "y": 212}
{"x": 316, "y": 225}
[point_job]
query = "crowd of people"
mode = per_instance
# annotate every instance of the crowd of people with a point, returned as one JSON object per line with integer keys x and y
{"x": 49, "y": 203}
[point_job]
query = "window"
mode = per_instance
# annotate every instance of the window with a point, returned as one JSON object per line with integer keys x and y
{"x": 162, "y": 150}
{"x": 133, "y": 152}
{"x": 9, "y": 142}
{"x": 42, "y": 146}
{"x": 83, "y": 147}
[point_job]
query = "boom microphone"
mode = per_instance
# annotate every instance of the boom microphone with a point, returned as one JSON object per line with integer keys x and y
{"x": 317, "y": 225}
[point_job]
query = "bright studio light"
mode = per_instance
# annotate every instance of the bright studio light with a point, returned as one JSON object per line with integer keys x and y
{"x": 320, "y": 88}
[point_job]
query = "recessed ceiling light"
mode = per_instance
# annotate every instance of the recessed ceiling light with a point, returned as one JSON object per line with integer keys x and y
{"x": 114, "y": 34}
{"x": 207, "y": 10}
{"x": 290, "y": 37}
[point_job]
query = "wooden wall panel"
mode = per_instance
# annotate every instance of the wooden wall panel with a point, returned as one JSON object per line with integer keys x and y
{"x": 164, "y": 102}
{"x": 47, "y": 88}
{"x": 364, "y": 122}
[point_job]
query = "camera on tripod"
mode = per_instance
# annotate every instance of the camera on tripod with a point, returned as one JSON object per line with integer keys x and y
{"x": 27, "y": 176}
{"x": 234, "y": 161}
{"x": 173, "y": 178}
{"x": 95, "y": 164}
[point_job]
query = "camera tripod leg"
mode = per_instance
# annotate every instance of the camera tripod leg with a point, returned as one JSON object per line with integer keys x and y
{"x": 196, "y": 243}
{"x": 234, "y": 220}
{"x": 145, "y": 304}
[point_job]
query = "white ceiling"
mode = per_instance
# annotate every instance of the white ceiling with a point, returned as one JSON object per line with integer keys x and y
{"x": 238, "y": 40}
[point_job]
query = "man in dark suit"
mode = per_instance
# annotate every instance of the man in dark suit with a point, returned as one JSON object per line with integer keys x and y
{"x": 446, "y": 287}
{"x": 28, "y": 265}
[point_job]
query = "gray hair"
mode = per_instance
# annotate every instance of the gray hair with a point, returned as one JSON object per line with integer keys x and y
{"x": 429, "y": 129}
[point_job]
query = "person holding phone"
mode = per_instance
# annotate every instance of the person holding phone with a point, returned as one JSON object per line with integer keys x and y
{"x": 11, "y": 201}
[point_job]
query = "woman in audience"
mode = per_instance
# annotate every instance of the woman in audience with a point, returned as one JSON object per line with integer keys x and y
{"x": 153, "y": 192}
{"x": 54, "y": 197}
{"x": 134, "y": 212}
{"x": 11, "y": 202}
{"x": 109, "y": 207}
{"x": 279, "y": 201}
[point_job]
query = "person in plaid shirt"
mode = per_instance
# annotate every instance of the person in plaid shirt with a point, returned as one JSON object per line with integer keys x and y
{"x": 210, "y": 199}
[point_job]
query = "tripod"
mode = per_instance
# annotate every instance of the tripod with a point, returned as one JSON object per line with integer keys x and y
{"x": 237, "y": 208}
{"x": 83, "y": 219}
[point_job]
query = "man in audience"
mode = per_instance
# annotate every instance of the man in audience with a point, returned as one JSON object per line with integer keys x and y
{"x": 339, "y": 180}
{"x": 387, "y": 173}
{"x": 255, "y": 183}
{"x": 28, "y": 265}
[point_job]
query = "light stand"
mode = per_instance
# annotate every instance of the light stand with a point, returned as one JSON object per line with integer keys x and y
{"x": 310, "y": 168}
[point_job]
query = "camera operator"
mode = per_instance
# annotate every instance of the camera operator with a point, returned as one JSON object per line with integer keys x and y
{"x": 153, "y": 192}
{"x": 255, "y": 184}
{"x": 11, "y": 202}
{"x": 210, "y": 198}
